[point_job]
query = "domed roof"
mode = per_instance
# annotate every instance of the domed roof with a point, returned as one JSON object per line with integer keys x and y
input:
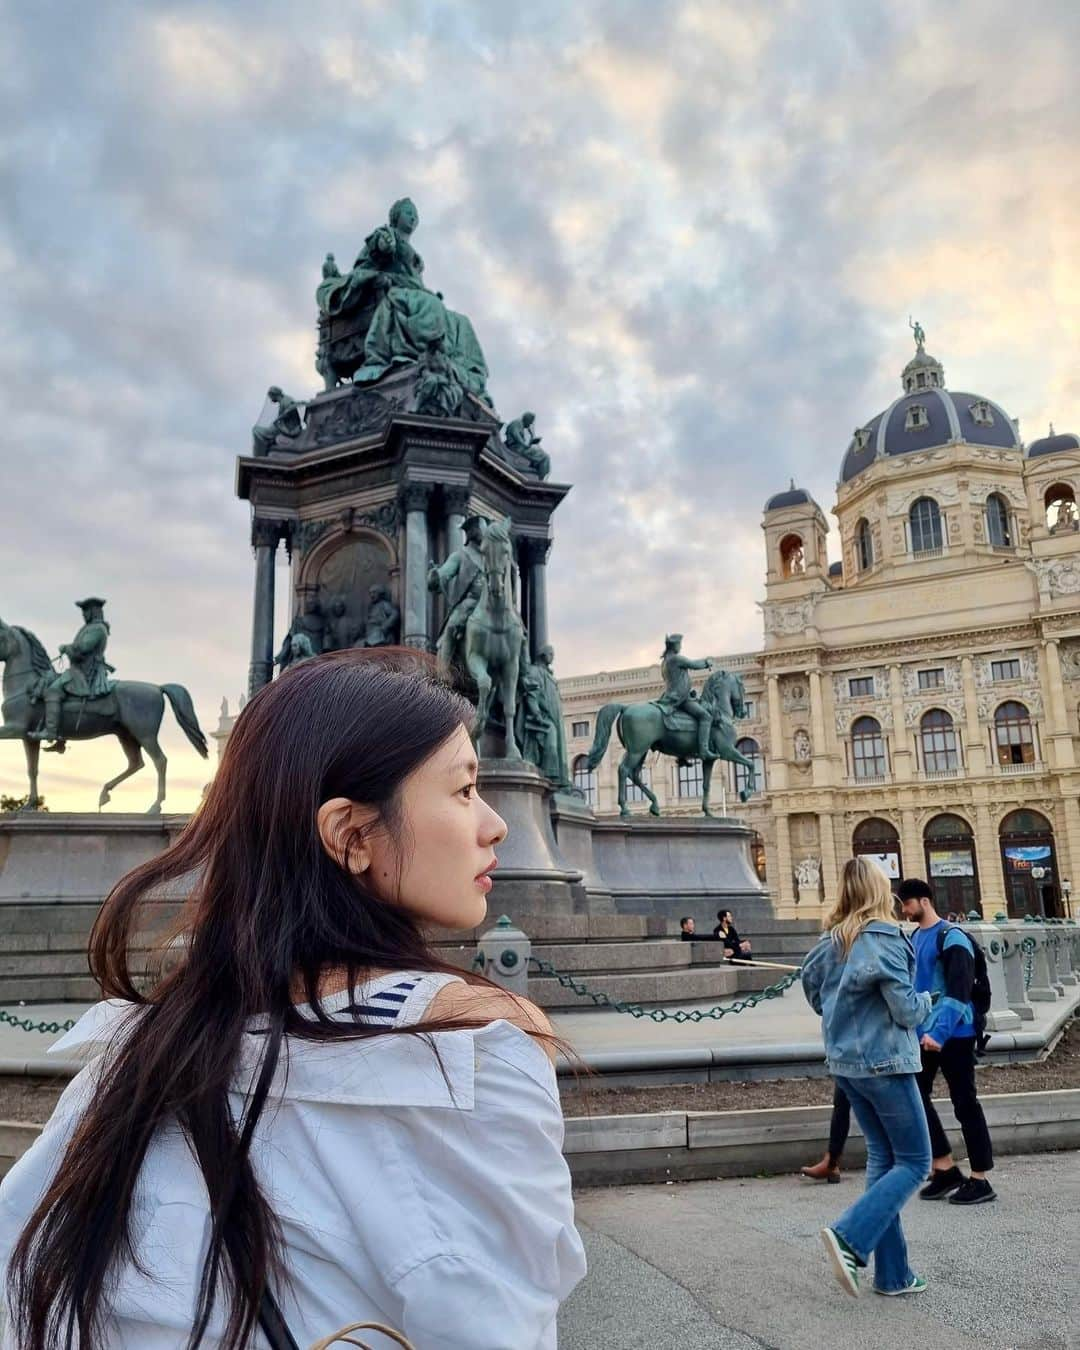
{"x": 925, "y": 416}
{"x": 792, "y": 496}
{"x": 1053, "y": 444}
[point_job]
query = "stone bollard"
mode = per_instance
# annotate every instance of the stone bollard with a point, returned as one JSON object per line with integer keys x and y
{"x": 1012, "y": 964}
{"x": 502, "y": 954}
{"x": 1001, "y": 1017}
{"x": 1071, "y": 933}
{"x": 1063, "y": 954}
{"x": 1044, "y": 974}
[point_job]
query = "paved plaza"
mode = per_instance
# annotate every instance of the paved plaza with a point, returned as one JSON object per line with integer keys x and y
{"x": 738, "y": 1265}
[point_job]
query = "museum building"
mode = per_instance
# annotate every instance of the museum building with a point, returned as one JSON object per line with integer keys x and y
{"x": 918, "y": 700}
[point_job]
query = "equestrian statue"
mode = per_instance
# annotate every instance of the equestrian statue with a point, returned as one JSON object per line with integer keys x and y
{"x": 82, "y": 702}
{"x": 679, "y": 723}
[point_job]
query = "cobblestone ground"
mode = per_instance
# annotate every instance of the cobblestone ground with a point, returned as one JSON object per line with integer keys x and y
{"x": 738, "y": 1265}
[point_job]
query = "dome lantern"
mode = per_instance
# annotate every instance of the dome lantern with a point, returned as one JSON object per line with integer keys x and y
{"x": 923, "y": 371}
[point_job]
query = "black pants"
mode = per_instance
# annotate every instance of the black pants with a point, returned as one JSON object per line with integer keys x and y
{"x": 840, "y": 1124}
{"x": 956, "y": 1060}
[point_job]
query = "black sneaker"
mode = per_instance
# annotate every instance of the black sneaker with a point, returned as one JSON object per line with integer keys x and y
{"x": 941, "y": 1183}
{"x": 974, "y": 1191}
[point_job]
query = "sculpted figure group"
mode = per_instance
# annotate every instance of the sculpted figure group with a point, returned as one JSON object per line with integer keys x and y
{"x": 314, "y": 631}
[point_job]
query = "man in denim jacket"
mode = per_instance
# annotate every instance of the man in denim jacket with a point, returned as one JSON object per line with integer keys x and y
{"x": 945, "y": 966}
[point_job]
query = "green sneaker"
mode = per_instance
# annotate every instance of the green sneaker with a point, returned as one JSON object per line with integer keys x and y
{"x": 917, "y": 1286}
{"x": 845, "y": 1263}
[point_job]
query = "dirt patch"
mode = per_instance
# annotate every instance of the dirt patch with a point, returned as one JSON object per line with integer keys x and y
{"x": 1060, "y": 1070}
{"x": 33, "y": 1099}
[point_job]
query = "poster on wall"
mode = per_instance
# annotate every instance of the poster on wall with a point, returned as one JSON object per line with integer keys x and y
{"x": 951, "y": 862}
{"x": 888, "y": 862}
{"x": 1022, "y": 858}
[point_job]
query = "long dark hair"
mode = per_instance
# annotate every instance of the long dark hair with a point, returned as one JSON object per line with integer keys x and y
{"x": 269, "y": 913}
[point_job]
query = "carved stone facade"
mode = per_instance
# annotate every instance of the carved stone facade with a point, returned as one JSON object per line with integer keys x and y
{"x": 961, "y": 643}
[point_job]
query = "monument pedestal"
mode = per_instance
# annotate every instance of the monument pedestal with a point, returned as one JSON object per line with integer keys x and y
{"x": 533, "y": 874}
{"x": 574, "y": 821}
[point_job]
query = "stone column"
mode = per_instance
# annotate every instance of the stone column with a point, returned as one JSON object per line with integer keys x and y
{"x": 536, "y": 555}
{"x": 830, "y": 874}
{"x": 414, "y": 499}
{"x": 784, "y": 888}
{"x": 777, "y": 765}
{"x": 903, "y": 761}
{"x": 912, "y": 853}
{"x": 822, "y": 766}
{"x": 264, "y": 538}
{"x": 975, "y": 749}
{"x": 457, "y": 508}
{"x": 988, "y": 858}
{"x": 1060, "y": 736}
{"x": 1069, "y": 847}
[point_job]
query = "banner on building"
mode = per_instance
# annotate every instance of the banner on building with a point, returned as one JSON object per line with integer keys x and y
{"x": 1023, "y": 857}
{"x": 888, "y": 862}
{"x": 951, "y": 862}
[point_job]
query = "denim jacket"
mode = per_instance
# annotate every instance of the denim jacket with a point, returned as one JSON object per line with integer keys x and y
{"x": 868, "y": 1005}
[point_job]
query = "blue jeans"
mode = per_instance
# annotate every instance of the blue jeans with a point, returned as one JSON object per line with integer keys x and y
{"x": 890, "y": 1113}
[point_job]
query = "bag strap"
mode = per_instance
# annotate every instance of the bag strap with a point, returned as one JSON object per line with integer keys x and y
{"x": 342, "y": 1337}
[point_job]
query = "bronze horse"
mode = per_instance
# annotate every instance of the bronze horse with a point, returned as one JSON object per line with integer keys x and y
{"x": 132, "y": 713}
{"x": 493, "y": 636}
{"x": 643, "y": 727}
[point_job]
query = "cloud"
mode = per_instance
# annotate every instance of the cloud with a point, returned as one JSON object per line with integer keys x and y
{"x": 689, "y": 237}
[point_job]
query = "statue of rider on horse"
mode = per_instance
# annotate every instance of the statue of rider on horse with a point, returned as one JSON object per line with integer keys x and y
{"x": 82, "y": 702}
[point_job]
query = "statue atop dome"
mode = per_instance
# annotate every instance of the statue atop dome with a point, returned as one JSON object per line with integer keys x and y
{"x": 919, "y": 334}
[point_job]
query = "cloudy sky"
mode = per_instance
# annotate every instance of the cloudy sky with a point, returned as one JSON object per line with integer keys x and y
{"x": 689, "y": 235}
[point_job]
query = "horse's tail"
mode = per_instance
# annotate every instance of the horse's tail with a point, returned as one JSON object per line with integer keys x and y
{"x": 182, "y": 706}
{"x": 605, "y": 720}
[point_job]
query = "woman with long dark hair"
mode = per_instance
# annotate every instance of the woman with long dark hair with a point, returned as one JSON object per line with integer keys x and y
{"x": 310, "y": 1117}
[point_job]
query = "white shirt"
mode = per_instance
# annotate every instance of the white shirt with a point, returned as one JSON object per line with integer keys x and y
{"x": 435, "y": 1200}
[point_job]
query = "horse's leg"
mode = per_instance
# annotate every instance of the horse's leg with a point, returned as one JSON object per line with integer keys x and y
{"x": 33, "y": 752}
{"x": 482, "y": 679}
{"x": 508, "y": 693}
{"x": 157, "y": 758}
{"x": 706, "y": 784}
{"x": 130, "y": 747}
{"x": 654, "y": 804}
{"x": 624, "y": 809}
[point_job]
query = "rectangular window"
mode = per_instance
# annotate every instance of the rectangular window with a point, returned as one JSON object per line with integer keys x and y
{"x": 633, "y": 792}
{"x": 688, "y": 781}
{"x": 863, "y": 687}
{"x": 1005, "y": 670}
{"x": 751, "y": 708}
{"x": 932, "y": 679}
{"x": 579, "y": 729}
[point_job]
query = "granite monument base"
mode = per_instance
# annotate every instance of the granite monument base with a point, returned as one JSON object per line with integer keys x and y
{"x": 533, "y": 874}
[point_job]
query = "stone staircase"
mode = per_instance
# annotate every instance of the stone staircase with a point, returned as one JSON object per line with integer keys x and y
{"x": 634, "y": 958}
{"x": 637, "y": 959}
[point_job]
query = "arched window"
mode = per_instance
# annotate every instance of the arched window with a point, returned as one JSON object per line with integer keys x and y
{"x": 925, "y": 523}
{"x": 997, "y": 521}
{"x": 878, "y": 839}
{"x": 867, "y": 748}
{"x": 1029, "y": 861}
{"x": 1061, "y": 514}
{"x": 864, "y": 545}
{"x": 1014, "y": 736}
{"x": 750, "y": 748}
{"x": 757, "y": 852}
{"x": 940, "y": 753}
{"x": 792, "y": 557}
{"x": 585, "y": 778}
{"x": 950, "y": 863}
{"x": 688, "y": 779}
{"x": 633, "y": 792}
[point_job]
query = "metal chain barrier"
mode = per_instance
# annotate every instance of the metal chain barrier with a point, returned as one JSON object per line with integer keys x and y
{"x": 663, "y": 1014}
{"x": 50, "y": 1028}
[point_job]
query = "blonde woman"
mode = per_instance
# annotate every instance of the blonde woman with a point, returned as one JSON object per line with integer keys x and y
{"x": 860, "y": 980}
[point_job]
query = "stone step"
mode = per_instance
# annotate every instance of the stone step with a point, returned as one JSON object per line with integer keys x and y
{"x": 47, "y": 989}
{"x": 709, "y": 984}
{"x": 654, "y": 953}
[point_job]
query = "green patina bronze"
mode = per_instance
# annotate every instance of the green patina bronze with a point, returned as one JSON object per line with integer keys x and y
{"x": 82, "y": 703}
{"x": 679, "y": 694}
{"x": 540, "y": 720}
{"x": 522, "y": 440}
{"x": 666, "y": 726}
{"x": 306, "y": 635}
{"x": 494, "y": 636}
{"x": 460, "y": 581}
{"x": 380, "y": 315}
{"x": 288, "y": 423}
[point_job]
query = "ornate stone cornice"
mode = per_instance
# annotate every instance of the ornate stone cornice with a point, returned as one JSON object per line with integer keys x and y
{"x": 268, "y": 533}
{"x": 457, "y": 500}
{"x": 383, "y": 519}
{"x": 535, "y": 550}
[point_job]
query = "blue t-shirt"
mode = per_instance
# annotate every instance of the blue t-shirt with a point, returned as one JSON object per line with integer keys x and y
{"x": 950, "y": 1016}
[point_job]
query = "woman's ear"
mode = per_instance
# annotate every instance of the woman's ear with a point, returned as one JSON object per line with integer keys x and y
{"x": 338, "y": 822}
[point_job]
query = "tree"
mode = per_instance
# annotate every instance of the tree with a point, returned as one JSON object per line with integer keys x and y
{"x": 9, "y": 805}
